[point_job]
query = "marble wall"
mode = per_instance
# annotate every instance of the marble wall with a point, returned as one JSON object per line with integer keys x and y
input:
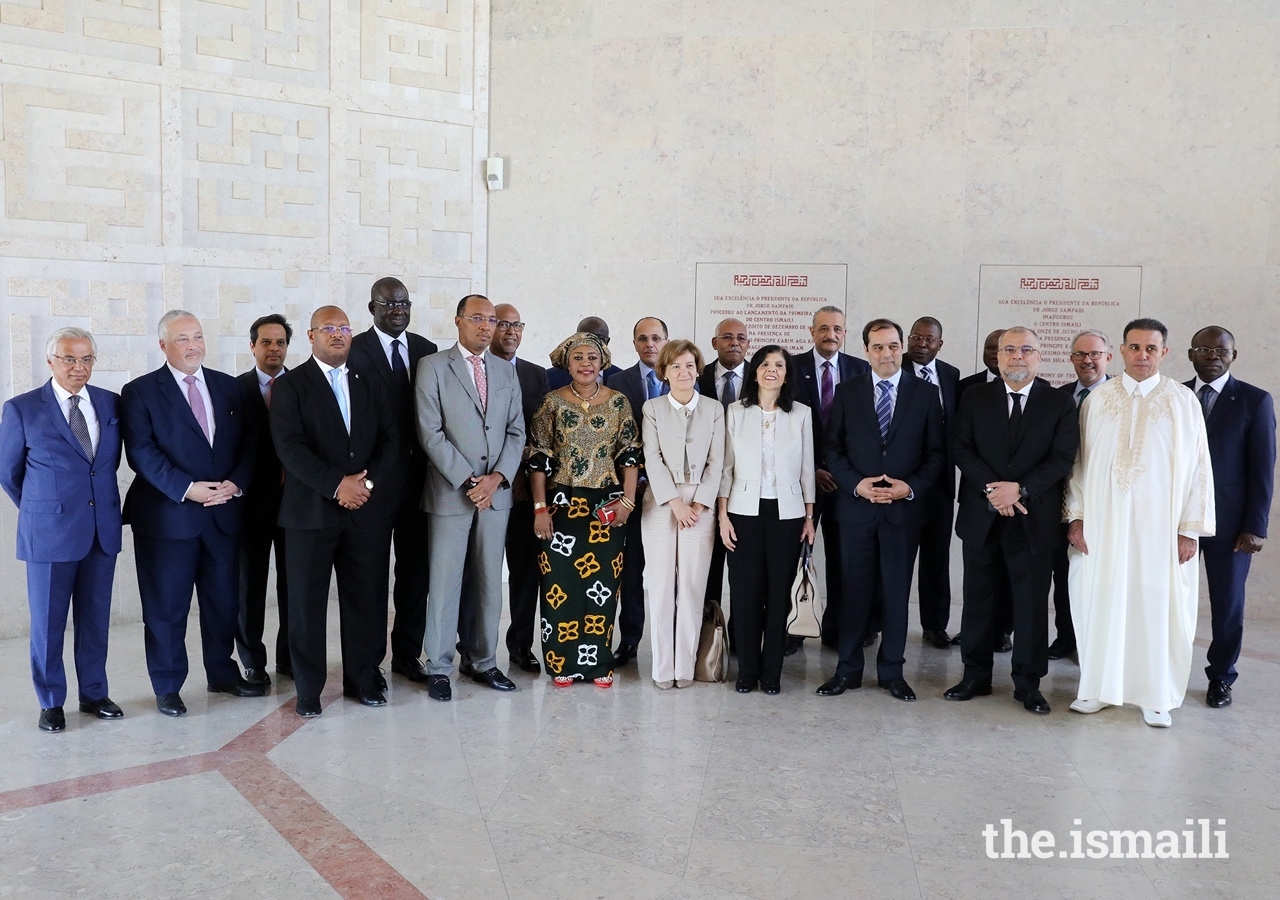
{"x": 914, "y": 140}
{"x": 232, "y": 157}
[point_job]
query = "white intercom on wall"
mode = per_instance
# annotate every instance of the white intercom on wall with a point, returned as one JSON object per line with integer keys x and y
{"x": 493, "y": 177}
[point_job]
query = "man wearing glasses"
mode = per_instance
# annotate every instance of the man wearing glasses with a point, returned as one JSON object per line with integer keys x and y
{"x": 389, "y": 354}
{"x": 1241, "y": 423}
{"x": 1090, "y": 356}
{"x": 1015, "y": 441}
{"x": 59, "y": 451}
{"x": 336, "y": 436}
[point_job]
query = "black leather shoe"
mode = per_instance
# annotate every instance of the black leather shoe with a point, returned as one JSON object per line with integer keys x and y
{"x": 793, "y": 645}
{"x": 870, "y": 639}
{"x": 1003, "y": 644}
{"x": 623, "y": 655}
{"x": 898, "y": 688}
{"x": 171, "y": 705}
{"x": 939, "y": 639}
{"x": 770, "y": 688}
{"x": 438, "y": 688}
{"x": 494, "y": 679}
{"x": 525, "y": 661}
{"x": 307, "y": 707}
{"x": 967, "y": 690}
{"x": 466, "y": 667}
{"x": 408, "y": 668}
{"x": 238, "y": 688}
{"x": 1060, "y": 649}
{"x": 103, "y": 709}
{"x": 257, "y": 676}
{"x": 744, "y": 687}
{"x": 52, "y": 720}
{"x": 955, "y": 641}
{"x": 838, "y": 684}
{"x": 379, "y": 680}
{"x": 1218, "y": 695}
{"x": 286, "y": 671}
{"x": 1032, "y": 701}
{"x": 368, "y": 698}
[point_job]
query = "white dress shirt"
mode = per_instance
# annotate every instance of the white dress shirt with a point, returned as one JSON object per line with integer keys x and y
{"x": 721, "y": 371}
{"x": 86, "y": 409}
{"x": 204, "y": 394}
{"x": 1218, "y": 384}
{"x": 1024, "y": 393}
{"x": 471, "y": 370}
{"x": 386, "y": 339}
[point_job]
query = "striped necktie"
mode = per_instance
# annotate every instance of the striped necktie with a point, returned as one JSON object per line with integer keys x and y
{"x": 884, "y": 409}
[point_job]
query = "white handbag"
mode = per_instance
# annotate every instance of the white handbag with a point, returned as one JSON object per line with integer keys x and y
{"x": 807, "y": 604}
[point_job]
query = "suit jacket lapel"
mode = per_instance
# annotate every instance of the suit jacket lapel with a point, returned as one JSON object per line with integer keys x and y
{"x": 170, "y": 391}
{"x": 379, "y": 359}
{"x": 321, "y": 384}
{"x": 906, "y": 390}
{"x": 462, "y": 369}
{"x": 54, "y": 409}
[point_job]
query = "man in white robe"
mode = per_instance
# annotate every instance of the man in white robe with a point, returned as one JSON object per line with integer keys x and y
{"x": 1139, "y": 498}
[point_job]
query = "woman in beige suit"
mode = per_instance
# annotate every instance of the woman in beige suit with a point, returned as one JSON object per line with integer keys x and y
{"x": 765, "y": 512}
{"x": 683, "y": 451}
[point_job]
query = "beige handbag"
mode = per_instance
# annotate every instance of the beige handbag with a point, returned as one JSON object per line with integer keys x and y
{"x": 805, "y": 618}
{"x": 712, "y": 661}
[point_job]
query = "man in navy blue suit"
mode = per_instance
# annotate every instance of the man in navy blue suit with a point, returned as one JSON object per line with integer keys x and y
{"x": 189, "y": 440}
{"x": 58, "y": 461}
{"x": 1241, "y": 422}
{"x": 884, "y": 445}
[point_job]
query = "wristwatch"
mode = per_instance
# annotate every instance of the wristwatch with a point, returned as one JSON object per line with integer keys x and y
{"x": 368, "y": 484}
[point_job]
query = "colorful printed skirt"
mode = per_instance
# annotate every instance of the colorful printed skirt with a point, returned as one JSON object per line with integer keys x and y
{"x": 580, "y": 567}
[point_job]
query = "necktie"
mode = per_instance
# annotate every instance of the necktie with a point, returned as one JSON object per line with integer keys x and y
{"x": 398, "y": 368}
{"x": 482, "y": 383}
{"x": 884, "y": 409}
{"x": 924, "y": 373}
{"x": 1015, "y": 416}
{"x": 335, "y": 381}
{"x": 827, "y": 391}
{"x": 729, "y": 393}
{"x": 79, "y": 427}
{"x": 652, "y": 389}
{"x": 1080, "y": 397}
{"x": 197, "y": 407}
{"x": 266, "y": 397}
{"x": 1207, "y": 395}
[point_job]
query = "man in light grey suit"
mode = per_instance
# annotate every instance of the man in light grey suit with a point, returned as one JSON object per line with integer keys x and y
{"x": 471, "y": 424}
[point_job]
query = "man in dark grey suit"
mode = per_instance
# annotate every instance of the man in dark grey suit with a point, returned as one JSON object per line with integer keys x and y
{"x": 471, "y": 425}
{"x": 639, "y": 383}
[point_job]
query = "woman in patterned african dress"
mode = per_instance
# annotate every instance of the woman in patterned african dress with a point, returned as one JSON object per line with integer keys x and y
{"x": 583, "y": 454}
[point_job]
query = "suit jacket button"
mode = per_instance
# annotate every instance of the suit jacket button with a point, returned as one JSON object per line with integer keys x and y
{"x": 884, "y": 452}
{"x": 93, "y": 474}
{"x": 484, "y": 459}
{"x": 351, "y": 454}
{"x": 91, "y": 503}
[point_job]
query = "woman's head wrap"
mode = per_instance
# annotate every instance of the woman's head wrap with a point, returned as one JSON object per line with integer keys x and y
{"x": 560, "y": 355}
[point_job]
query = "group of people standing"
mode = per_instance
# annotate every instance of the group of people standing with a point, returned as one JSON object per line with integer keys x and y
{"x": 605, "y": 486}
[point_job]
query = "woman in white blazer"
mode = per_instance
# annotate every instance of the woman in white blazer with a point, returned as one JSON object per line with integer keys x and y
{"x": 765, "y": 511}
{"x": 683, "y": 451}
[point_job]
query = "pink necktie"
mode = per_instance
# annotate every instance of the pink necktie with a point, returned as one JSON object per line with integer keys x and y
{"x": 482, "y": 383}
{"x": 197, "y": 406}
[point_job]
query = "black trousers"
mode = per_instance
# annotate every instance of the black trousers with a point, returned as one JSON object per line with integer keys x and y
{"x": 522, "y": 576}
{"x": 1226, "y": 571}
{"x": 1006, "y": 551}
{"x": 761, "y": 570}
{"x": 1066, "y": 630}
{"x": 255, "y": 566}
{"x": 413, "y": 579}
{"x": 933, "y": 577}
{"x": 359, "y": 556}
{"x": 631, "y": 588}
{"x": 715, "y": 575}
{"x": 878, "y": 558}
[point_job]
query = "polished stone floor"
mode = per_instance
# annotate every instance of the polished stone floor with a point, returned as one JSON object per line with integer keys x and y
{"x": 631, "y": 792}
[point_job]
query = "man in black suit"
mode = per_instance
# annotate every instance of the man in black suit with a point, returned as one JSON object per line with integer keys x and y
{"x": 269, "y": 339}
{"x": 723, "y": 380}
{"x": 558, "y": 378}
{"x": 1090, "y": 356}
{"x": 639, "y": 383}
{"x": 335, "y": 433}
{"x": 1241, "y": 423}
{"x": 933, "y": 578}
{"x": 187, "y": 438}
{"x": 884, "y": 446}
{"x": 817, "y": 375}
{"x": 390, "y": 354}
{"x": 522, "y": 571}
{"x": 1015, "y": 442}
{"x": 1004, "y": 600}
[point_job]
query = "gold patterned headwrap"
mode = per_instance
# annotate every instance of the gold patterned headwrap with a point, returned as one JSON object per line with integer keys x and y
{"x": 560, "y": 355}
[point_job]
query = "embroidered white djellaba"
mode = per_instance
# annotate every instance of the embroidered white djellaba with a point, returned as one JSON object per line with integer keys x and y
{"x": 1141, "y": 477}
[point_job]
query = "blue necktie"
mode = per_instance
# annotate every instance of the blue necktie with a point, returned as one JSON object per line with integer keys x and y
{"x": 335, "y": 380}
{"x": 884, "y": 410}
{"x": 652, "y": 389}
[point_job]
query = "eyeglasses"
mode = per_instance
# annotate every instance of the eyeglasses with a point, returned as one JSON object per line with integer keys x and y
{"x": 1214, "y": 352}
{"x": 1094, "y": 355}
{"x": 72, "y": 361}
{"x": 331, "y": 330}
{"x": 504, "y": 325}
{"x": 923, "y": 339}
{"x": 1024, "y": 350}
{"x": 480, "y": 320}
{"x": 395, "y": 304}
